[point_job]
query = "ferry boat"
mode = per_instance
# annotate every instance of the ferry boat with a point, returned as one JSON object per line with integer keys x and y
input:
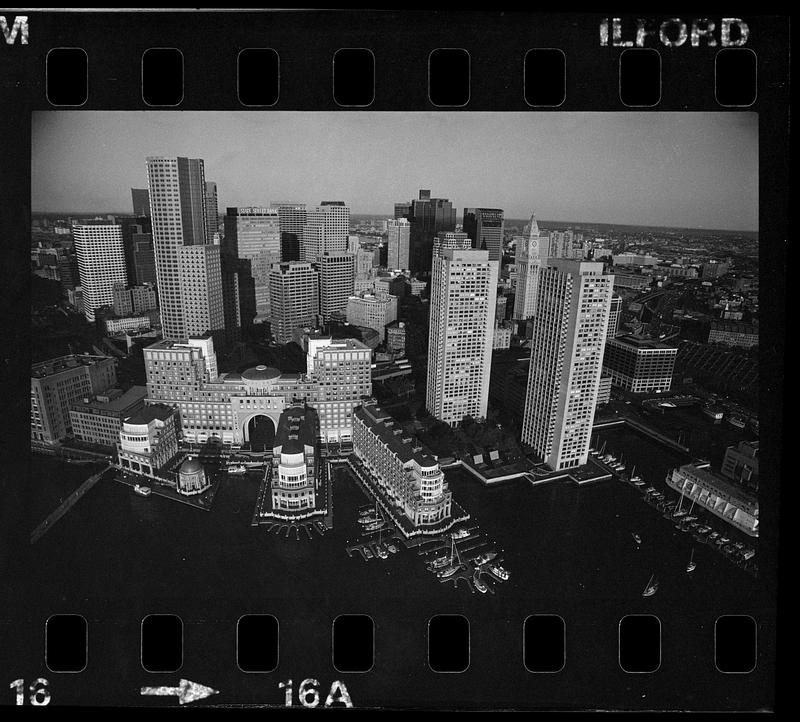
{"x": 460, "y": 534}
{"x": 445, "y": 573}
{"x": 479, "y": 585}
{"x": 142, "y": 490}
{"x": 237, "y": 469}
{"x": 736, "y": 421}
{"x": 440, "y": 562}
{"x": 375, "y": 525}
{"x": 364, "y": 520}
{"x": 651, "y": 588}
{"x": 499, "y": 572}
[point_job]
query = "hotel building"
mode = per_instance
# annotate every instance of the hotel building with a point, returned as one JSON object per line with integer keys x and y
{"x": 569, "y": 332}
{"x": 406, "y": 473}
{"x": 223, "y": 406}
{"x": 462, "y": 308}
{"x": 101, "y": 263}
{"x": 148, "y": 440}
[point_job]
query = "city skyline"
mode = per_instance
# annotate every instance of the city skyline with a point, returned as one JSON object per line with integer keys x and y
{"x": 659, "y": 169}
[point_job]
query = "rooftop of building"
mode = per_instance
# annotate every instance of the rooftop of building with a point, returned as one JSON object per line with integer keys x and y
{"x": 65, "y": 363}
{"x": 297, "y": 428}
{"x": 170, "y": 343}
{"x": 151, "y": 412}
{"x": 640, "y": 342}
{"x": 720, "y": 484}
{"x": 191, "y": 466}
{"x": 390, "y": 432}
{"x": 110, "y": 401}
{"x": 735, "y": 326}
{"x": 261, "y": 373}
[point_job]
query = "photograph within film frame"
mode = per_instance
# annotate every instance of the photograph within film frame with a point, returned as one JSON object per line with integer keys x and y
{"x": 220, "y": 507}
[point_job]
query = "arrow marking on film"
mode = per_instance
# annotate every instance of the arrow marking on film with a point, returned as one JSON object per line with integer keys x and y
{"x": 186, "y": 691}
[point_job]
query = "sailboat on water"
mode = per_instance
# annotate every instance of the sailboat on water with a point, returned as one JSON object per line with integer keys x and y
{"x": 651, "y": 588}
{"x": 692, "y": 565}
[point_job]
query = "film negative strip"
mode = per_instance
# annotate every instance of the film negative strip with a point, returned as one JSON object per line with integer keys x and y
{"x": 375, "y": 452}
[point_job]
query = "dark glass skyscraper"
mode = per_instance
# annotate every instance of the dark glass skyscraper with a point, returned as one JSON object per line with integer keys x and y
{"x": 485, "y": 227}
{"x": 141, "y": 201}
{"x": 427, "y": 216}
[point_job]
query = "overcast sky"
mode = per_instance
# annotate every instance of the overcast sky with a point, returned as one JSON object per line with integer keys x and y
{"x": 670, "y": 169}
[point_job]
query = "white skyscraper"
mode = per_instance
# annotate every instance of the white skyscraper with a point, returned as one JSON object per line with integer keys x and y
{"x": 178, "y": 212}
{"x": 569, "y": 334}
{"x": 201, "y": 290}
{"x": 326, "y": 230}
{"x": 531, "y": 250}
{"x": 462, "y": 309}
{"x": 101, "y": 264}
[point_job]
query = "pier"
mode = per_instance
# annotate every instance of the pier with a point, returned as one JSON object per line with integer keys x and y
{"x": 66, "y": 505}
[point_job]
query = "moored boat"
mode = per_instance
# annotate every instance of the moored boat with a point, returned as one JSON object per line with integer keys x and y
{"x": 142, "y": 490}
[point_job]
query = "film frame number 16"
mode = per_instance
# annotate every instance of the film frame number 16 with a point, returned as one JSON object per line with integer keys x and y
{"x": 39, "y": 692}
{"x": 308, "y": 693}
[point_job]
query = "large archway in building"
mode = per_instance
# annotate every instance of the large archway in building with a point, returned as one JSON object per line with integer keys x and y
{"x": 259, "y": 432}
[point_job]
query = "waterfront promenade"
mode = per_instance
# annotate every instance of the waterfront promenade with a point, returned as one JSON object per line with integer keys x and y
{"x": 66, "y": 505}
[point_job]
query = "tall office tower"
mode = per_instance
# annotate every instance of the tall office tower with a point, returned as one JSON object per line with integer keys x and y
{"x": 450, "y": 239}
{"x": 178, "y": 205}
{"x": 294, "y": 294}
{"x": 201, "y": 291}
{"x": 485, "y": 227}
{"x": 462, "y": 308}
{"x": 144, "y": 258}
{"x": 353, "y": 244}
{"x": 531, "y": 251}
{"x": 397, "y": 243}
{"x": 101, "y": 264}
{"x": 613, "y": 316}
{"x": 336, "y": 282}
{"x": 326, "y": 230}
{"x": 292, "y": 218}
{"x": 141, "y": 202}
{"x": 229, "y": 268}
{"x": 569, "y": 333}
{"x": 212, "y": 213}
{"x": 427, "y": 217}
{"x": 133, "y": 229}
{"x": 58, "y": 383}
{"x": 253, "y": 234}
